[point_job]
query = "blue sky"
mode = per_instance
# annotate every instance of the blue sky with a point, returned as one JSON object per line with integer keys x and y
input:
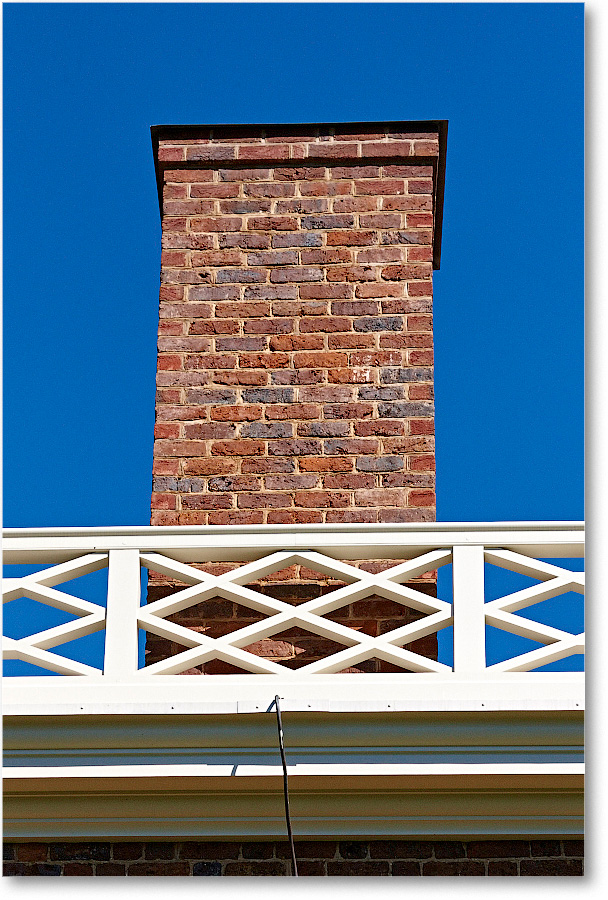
{"x": 82, "y": 229}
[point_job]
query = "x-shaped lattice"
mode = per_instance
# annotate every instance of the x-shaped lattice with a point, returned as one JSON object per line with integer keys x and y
{"x": 309, "y": 615}
{"x": 40, "y": 586}
{"x": 554, "y": 580}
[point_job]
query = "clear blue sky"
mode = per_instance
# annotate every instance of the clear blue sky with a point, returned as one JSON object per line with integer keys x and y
{"x": 82, "y": 231}
{"x": 82, "y": 85}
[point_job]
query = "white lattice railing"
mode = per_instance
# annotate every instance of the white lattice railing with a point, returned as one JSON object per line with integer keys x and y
{"x": 70, "y": 553}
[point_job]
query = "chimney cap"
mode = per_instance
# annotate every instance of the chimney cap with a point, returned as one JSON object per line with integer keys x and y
{"x": 226, "y": 131}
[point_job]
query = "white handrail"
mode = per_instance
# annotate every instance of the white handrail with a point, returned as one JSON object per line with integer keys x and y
{"x": 517, "y": 546}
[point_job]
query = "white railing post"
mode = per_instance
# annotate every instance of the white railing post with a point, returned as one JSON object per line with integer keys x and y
{"x": 469, "y": 614}
{"x": 124, "y": 599}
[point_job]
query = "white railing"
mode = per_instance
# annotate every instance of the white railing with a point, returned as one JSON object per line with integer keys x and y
{"x": 172, "y": 551}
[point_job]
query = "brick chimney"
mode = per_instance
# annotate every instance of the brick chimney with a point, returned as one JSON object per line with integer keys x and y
{"x": 295, "y": 350}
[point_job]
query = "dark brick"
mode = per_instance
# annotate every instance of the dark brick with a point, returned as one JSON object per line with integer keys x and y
{"x": 257, "y": 850}
{"x": 324, "y": 429}
{"x": 449, "y": 850}
{"x": 185, "y": 485}
{"x": 209, "y": 850}
{"x": 412, "y": 373}
{"x": 164, "y": 484}
{"x": 265, "y": 867}
{"x": 308, "y": 867}
{"x": 129, "y": 850}
{"x": 406, "y": 868}
{"x": 457, "y": 867}
{"x": 32, "y": 852}
{"x": 110, "y": 869}
{"x": 8, "y": 851}
{"x": 370, "y": 867}
{"x": 298, "y": 239}
{"x": 383, "y": 393}
{"x": 551, "y": 867}
{"x": 264, "y": 430}
{"x": 207, "y": 868}
{"x": 353, "y": 849}
{"x": 80, "y": 851}
{"x": 379, "y": 463}
{"x": 14, "y": 868}
{"x": 80, "y": 869}
{"x": 306, "y": 850}
{"x": 497, "y": 849}
{"x": 405, "y": 410}
{"x": 339, "y": 221}
{"x": 545, "y": 848}
{"x": 209, "y": 395}
{"x": 503, "y": 867}
{"x": 160, "y": 850}
{"x": 159, "y": 868}
{"x": 401, "y": 849}
{"x": 574, "y": 848}
{"x": 294, "y": 448}
{"x": 348, "y": 446}
{"x": 378, "y": 323}
{"x": 405, "y": 237}
{"x": 268, "y": 395}
{"x": 42, "y": 869}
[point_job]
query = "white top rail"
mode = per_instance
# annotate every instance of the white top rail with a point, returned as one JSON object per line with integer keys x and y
{"x": 521, "y": 547}
{"x": 208, "y": 543}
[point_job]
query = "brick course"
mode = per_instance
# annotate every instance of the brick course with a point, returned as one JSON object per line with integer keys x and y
{"x": 314, "y": 857}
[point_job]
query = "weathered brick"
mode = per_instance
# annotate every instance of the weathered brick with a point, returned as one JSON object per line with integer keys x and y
{"x": 238, "y": 448}
{"x": 405, "y": 410}
{"x": 267, "y": 430}
{"x": 324, "y": 429}
{"x": 296, "y": 273}
{"x": 401, "y": 375}
{"x": 379, "y": 463}
{"x": 298, "y": 239}
{"x": 294, "y": 448}
{"x": 263, "y": 466}
{"x": 349, "y": 446}
{"x": 272, "y": 223}
{"x": 379, "y": 323}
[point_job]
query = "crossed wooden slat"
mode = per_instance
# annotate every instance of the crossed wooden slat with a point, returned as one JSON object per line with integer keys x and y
{"x": 309, "y": 615}
{"x": 40, "y": 586}
{"x": 554, "y": 580}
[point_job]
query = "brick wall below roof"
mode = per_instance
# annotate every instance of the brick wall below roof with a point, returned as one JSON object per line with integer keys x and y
{"x": 321, "y": 858}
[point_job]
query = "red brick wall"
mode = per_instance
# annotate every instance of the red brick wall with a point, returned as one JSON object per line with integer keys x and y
{"x": 295, "y": 379}
{"x": 326, "y": 858}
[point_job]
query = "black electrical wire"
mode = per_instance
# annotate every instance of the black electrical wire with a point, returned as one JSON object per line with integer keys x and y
{"x": 285, "y": 789}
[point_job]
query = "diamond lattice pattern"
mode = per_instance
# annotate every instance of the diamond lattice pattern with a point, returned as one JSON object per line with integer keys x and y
{"x": 554, "y": 580}
{"x": 282, "y": 616}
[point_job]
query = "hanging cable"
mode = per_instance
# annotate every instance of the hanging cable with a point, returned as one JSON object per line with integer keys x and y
{"x": 285, "y": 790}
